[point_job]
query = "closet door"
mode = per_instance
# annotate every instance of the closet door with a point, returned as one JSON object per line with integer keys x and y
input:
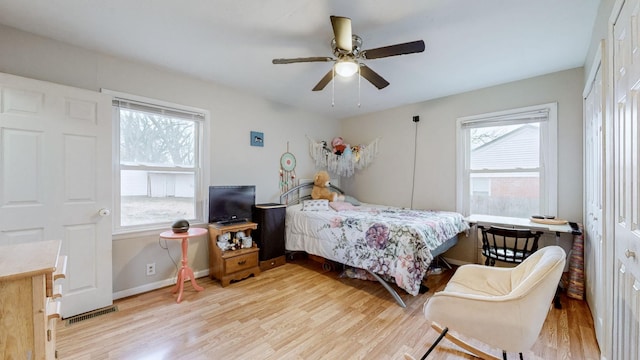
{"x": 594, "y": 179}
{"x": 55, "y": 178}
{"x": 626, "y": 197}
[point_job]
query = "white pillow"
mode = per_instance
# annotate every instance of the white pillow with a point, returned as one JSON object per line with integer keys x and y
{"x": 315, "y": 205}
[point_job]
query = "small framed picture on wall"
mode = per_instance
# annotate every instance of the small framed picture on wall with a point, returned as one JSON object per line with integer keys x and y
{"x": 257, "y": 138}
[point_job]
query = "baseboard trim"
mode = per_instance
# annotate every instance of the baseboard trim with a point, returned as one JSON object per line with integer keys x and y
{"x": 153, "y": 286}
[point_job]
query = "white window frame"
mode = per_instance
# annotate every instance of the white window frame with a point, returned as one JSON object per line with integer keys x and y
{"x": 548, "y": 152}
{"x": 201, "y": 164}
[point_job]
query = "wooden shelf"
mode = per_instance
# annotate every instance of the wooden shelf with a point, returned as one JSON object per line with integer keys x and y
{"x": 61, "y": 268}
{"x": 230, "y": 265}
{"x": 53, "y": 309}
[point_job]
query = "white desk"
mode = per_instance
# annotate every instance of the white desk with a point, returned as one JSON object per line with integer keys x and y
{"x": 518, "y": 223}
{"x": 575, "y": 255}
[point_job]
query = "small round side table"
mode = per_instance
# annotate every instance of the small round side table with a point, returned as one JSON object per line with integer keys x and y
{"x": 185, "y": 272}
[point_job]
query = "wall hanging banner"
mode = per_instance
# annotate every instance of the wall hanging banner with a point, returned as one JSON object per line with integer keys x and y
{"x": 345, "y": 162}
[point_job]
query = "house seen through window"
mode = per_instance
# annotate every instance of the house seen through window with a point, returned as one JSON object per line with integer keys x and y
{"x": 507, "y": 162}
{"x": 159, "y": 179}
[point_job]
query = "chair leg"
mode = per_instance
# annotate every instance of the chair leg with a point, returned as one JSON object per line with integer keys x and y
{"x": 433, "y": 346}
{"x": 556, "y": 298}
{"x": 468, "y": 347}
{"x": 504, "y": 355}
{"x": 435, "y": 343}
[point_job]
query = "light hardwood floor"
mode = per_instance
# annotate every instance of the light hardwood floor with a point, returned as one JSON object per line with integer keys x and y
{"x": 295, "y": 311}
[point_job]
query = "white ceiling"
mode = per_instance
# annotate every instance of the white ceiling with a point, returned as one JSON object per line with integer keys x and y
{"x": 470, "y": 44}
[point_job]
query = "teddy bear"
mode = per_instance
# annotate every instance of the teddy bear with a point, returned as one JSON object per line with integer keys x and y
{"x": 321, "y": 190}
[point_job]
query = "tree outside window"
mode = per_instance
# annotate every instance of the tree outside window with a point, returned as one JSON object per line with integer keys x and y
{"x": 159, "y": 157}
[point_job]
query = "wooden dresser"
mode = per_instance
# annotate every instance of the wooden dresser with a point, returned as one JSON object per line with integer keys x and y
{"x": 29, "y": 299}
{"x": 232, "y": 264}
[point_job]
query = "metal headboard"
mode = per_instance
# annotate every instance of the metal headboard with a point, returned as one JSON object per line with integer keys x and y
{"x": 302, "y": 192}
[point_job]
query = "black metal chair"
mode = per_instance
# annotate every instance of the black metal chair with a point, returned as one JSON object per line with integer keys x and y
{"x": 508, "y": 245}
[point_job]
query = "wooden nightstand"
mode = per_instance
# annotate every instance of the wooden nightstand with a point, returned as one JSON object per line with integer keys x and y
{"x": 232, "y": 264}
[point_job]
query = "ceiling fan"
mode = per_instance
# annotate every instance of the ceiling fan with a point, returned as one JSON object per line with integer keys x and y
{"x": 349, "y": 55}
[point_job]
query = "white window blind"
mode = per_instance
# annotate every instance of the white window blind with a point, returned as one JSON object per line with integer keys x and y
{"x": 157, "y": 109}
{"x": 517, "y": 118}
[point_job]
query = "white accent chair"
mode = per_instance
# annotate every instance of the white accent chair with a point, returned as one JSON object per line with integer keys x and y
{"x": 502, "y": 307}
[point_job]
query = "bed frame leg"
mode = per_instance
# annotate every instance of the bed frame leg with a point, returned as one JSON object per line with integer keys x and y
{"x": 389, "y": 289}
{"x": 445, "y": 262}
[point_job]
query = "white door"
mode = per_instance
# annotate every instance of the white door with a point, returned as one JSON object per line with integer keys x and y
{"x": 594, "y": 179}
{"x": 626, "y": 197}
{"x": 55, "y": 163}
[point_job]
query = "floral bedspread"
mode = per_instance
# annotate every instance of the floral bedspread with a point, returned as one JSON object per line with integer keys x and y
{"x": 392, "y": 242}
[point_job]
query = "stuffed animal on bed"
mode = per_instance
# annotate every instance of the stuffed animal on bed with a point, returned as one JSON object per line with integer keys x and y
{"x": 321, "y": 190}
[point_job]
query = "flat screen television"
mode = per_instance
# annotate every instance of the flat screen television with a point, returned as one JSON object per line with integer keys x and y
{"x": 231, "y": 203}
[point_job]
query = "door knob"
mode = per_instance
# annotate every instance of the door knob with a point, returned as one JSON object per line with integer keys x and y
{"x": 104, "y": 212}
{"x": 630, "y": 254}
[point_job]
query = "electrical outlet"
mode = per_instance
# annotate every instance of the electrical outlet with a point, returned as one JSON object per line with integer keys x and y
{"x": 151, "y": 269}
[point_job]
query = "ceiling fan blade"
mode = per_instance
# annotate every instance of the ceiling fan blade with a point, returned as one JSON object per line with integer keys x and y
{"x": 373, "y": 77}
{"x": 324, "y": 81}
{"x": 342, "y": 32}
{"x": 393, "y": 50}
{"x": 299, "y": 60}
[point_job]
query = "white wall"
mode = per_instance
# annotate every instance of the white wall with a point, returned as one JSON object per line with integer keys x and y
{"x": 600, "y": 32}
{"x": 389, "y": 179}
{"x": 233, "y": 115}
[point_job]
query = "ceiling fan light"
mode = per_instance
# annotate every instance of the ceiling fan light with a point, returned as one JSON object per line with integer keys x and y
{"x": 346, "y": 68}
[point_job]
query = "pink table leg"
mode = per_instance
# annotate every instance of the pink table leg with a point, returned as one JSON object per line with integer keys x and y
{"x": 185, "y": 273}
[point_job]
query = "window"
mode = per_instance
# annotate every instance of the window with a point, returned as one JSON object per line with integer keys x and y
{"x": 159, "y": 152}
{"x": 507, "y": 162}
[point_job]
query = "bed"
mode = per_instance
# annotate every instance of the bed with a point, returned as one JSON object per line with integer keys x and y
{"x": 391, "y": 244}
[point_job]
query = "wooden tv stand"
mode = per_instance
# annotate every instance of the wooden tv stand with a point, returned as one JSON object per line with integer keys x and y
{"x": 232, "y": 264}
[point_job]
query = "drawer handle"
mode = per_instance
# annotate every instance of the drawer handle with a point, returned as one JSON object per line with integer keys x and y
{"x": 242, "y": 262}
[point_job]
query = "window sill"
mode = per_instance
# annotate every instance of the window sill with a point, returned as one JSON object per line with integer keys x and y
{"x": 146, "y": 232}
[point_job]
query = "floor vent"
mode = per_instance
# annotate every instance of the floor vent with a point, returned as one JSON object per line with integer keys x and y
{"x": 91, "y": 314}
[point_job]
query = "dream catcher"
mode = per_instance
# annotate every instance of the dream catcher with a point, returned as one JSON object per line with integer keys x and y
{"x": 287, "y": 171}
